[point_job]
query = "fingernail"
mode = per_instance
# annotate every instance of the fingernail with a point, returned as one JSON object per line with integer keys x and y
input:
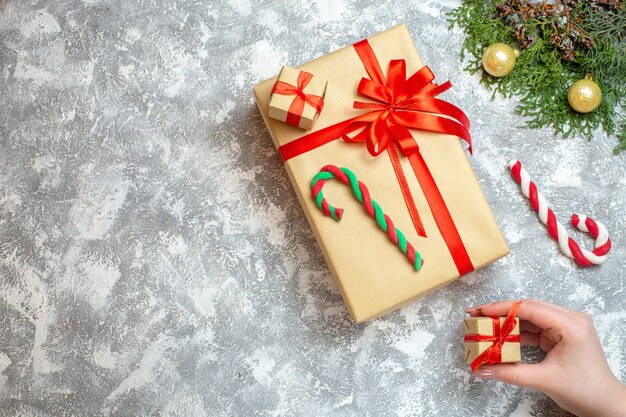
{"x": 467, "y": 310}
{"x": 484, "y": 373}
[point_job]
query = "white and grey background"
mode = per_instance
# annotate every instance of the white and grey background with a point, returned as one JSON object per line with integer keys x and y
{"x": 154, "y": 259}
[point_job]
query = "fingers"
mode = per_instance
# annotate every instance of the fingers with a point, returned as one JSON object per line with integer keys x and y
{"x": 526, "y": 326}
{"x": 529, "y": 339}
{"x": 542, "y": 315}
{"x": 549, "y": 304}
{"x": 520, "y": 374}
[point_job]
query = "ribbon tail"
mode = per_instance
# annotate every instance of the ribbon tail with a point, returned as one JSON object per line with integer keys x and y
{"x": 489, "y": 356}
{"x": 430, "y": 122}
{"x": 441, "y": 215}
{"x": 294, "y": 114}
{"x": 406, "y": 191}
{"x": 453, "y": 113}
{"x": 316, "y": 101}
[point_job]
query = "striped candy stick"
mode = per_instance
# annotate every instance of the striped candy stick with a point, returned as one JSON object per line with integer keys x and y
{"x": 556, "y": 230}
{"x": 362, "y": 194}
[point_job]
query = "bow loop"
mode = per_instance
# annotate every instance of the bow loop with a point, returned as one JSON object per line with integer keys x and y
{"x": 361, "y": 125}
{"x": 397, "y": 76}
{"x": 402, "y": 104}
{"x": 375, "y": 91}
{"x": 379, "y": 130}
{"x": 284, "y": 88}
{"x": 404, "y": 139}
{"x": 418, "y": 81}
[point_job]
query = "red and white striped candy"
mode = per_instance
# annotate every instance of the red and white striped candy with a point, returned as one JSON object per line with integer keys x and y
{"x": 556, "y": 230}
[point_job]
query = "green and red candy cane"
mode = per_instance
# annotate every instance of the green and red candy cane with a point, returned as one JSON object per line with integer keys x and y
{"x": 362, "y": 194}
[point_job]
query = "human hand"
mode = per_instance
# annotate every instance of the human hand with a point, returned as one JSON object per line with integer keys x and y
{"x": 574, "y": 373}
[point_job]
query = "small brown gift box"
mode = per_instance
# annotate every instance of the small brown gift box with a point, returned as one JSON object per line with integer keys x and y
{"x": 373, "y": 276}
{"x": 297, "y": 98}
{"x": 485, "y": 326}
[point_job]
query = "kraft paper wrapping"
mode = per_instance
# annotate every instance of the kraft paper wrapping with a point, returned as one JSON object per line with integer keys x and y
{"x": 483, "y": 325}
{"x": 278, "y": 107}
{"x": 373, "y": 276}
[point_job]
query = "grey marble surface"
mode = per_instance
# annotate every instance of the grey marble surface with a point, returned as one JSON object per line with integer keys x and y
{"x": 154, "y": 259}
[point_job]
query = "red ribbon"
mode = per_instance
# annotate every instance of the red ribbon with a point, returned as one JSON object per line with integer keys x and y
{"x": 500, "y": 336}
{"x": 401, "y": 104}
{"x": 294, "y": 114}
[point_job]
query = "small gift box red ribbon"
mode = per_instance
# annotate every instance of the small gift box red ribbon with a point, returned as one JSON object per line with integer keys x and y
{"x": 501, "y": 335}
{"x": 294, "y": 114}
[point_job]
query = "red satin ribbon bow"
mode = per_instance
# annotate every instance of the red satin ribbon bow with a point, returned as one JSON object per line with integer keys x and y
{"x": 500, "y": 336}
{"x": 403, "y": 104}
{"x": 294, "y": 114}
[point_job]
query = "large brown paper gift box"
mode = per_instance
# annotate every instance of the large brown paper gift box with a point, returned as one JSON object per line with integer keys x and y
{"x": 373, "y": 276}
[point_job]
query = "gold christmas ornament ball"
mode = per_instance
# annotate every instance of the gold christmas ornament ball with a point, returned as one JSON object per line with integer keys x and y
{"x": 499, "y": 59}
{"x": 584, "y": 95}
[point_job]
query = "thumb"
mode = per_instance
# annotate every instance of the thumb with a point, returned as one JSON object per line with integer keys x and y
{"x": 520, "y": 374}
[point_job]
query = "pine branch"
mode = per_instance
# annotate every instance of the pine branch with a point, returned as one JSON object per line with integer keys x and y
{"x": 560, "y": 42}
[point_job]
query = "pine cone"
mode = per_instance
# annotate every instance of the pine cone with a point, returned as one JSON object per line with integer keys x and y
{"x": 586, "y": 41}
{"x": 528, "y": 40}
{"x": 520, "y": 31}
{"x": 556, "y": 39}
{"x": 504, "y": 10}
{"x": 561, "y": 15}
{"x": 569, "y": 55}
